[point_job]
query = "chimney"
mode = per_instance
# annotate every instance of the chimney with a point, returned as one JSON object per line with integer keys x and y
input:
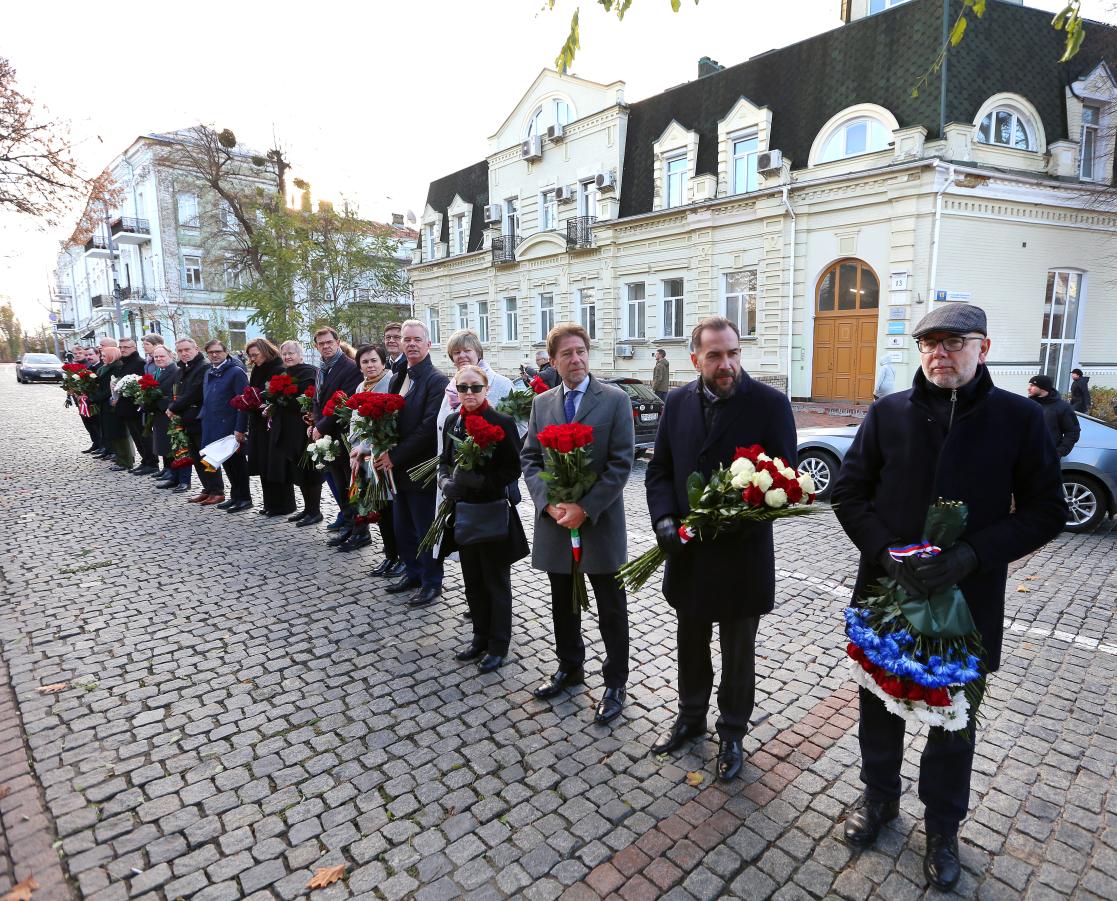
{"x": 707, "y": 66}
{"x": 397, "y": 219}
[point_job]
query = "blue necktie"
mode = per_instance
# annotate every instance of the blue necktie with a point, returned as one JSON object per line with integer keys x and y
{"x": 568, "y": 404}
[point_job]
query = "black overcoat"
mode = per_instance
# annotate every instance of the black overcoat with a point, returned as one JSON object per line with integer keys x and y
{"x": 253, "y": 424}
{"x": 732, "y": 576}
{"x": 132, "y": 364}
{"x": 112, "y": 426}
{"x": 996, "y": 456}
{"x": 417, "y": 420}
{"x": 187, "y": 404}
{"x": 160, "y": 440}
{"x": 345, "y": 376}
{"x": 500, "y": 472}
{"x": 287, "y": 438}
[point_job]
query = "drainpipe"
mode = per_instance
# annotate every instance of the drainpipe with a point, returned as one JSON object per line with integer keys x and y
{"x": 935, "y": 238}
{"x": 790, "y": 289}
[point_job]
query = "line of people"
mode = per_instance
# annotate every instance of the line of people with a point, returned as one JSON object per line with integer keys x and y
{"x": 953, "y": 435}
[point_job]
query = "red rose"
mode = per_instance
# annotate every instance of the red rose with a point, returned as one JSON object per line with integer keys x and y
{"x": 309, "y": 392}
{"x": 914, "y": 692}
{"x": 794, "y": 492}
{"x": 749, "y": 453}
{"x": 938, "y": 697}
{"x": 753, "y": 496}
{"x": 538, "y": 385}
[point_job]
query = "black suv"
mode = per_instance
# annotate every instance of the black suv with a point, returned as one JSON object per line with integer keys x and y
{"x": 647, "y": 409}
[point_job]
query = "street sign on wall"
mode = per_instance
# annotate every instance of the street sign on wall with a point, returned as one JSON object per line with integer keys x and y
{"x": 953, "y": 296}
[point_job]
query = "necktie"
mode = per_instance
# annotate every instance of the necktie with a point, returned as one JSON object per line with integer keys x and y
{"x": 568, "y": 404}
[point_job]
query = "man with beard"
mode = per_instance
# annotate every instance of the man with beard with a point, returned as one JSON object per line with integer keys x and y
{"x": 702, "y": 426}
{"x": 952, "y": 435}
{"x": 133, "y": 363}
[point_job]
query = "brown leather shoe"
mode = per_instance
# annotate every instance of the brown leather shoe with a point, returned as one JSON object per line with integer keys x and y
{"x": 197, "y": 500}
{"x": 213, "y": 499}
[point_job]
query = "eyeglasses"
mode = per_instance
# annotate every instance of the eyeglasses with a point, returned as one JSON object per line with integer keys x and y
{"x": 951, "y": 344}
{"x": 466, "y": 389}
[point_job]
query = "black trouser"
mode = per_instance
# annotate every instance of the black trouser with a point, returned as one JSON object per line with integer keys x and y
{"x": 341, "y": 471}
{"x": 488, "y": 591}
{"x": 413, "y": 512}
{"x": 211, "y": 482}
{"x": 236, "y": 468}
{"x": 142, "y": 442}
{"x": 944, "y": 768}
{"x": 310, "y": 487}
{"x": 93, "y": 426}
{"x": 388, "y": 533}
{"x": 696, "y": 672}
{"x": 612, "y": 617}
{"x": 279, "y": 497}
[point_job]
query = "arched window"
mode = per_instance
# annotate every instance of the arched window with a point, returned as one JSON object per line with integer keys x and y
{"x": 554, "y": 111}
{"x": 847, "y": 287}
{"x": 856, "y": 130}
{"x": 1007, "y": 126}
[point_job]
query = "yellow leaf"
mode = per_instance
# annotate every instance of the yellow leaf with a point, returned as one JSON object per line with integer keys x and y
{"x": 694, "y": 779}
{"x": 957, "y": 32}
{"x": 21, "y": 891}
{"x": 5, "y": 790}
{"x": 324, "y": 876}
{"x": 1023, "y": 589}
{"x": 53, "y": 689}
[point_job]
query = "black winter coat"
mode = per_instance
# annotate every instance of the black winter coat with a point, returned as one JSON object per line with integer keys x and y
{"x": 112, "y": 425}
{"x": 161, "y": 441}
{"x": 500, "y": 472}
{"x": 1061, "y": 421}
{"x": 417, "y": 420}
{"x": 132, "y": 364}
{"x": 1080, "y": 394}
{"x": 345, "y": 376}
{"x": 756, "y": 414}
{"x": 187, "y": 404}
{"x": 287, "y": 439}
{"x": 996, "y": 452}
{"x": 253, "y": 423}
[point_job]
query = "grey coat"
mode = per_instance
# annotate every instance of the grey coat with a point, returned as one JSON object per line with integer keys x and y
{"x": 604, "y": 537}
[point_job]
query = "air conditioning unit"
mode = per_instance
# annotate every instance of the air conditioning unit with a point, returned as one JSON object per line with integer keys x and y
{"x": 566, "y": 194}
{"x": 493, "y": 214}
{"x": 624, "y": 351}
{"x": 554, "y": 132}
{"x": 606, "y": 181}
{"x": 771, "y": 161}
{"x": 531, "y": 149}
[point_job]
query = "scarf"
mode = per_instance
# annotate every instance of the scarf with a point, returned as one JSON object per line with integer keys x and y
{"x": 452, "y": 392}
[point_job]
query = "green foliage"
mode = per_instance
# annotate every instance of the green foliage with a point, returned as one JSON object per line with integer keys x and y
{"x": 11, "y": 334}
{"x": 1102, "y": 402}
{"x": 572, "y": 44}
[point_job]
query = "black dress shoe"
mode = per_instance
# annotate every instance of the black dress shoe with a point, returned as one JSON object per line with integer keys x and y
{"x": 238, "y": 506}
{"x": 181, "y": 489}
{"x": 610, "y": 707}
{"x": 730, "y": 757}
{"x": 560, "y": 680}
{"x": 471, "y": 653}
{"x": 145, "y": 470}
{"x": 166, "y": 483}
{"x": 490, "y": 664}
{"x": 116, "y": 467}
{"x": 162, "y": 473}
{"x": 426, "y": 597}
{"x": 335, "y": 525}
{"x": 384, "y": 568}
{"x": 340, "y": 538}
{"x": 404, "y": 584}
{"x": 940, "y": 863}
{"x": 864, "y": 824}
{"x": 225, "y": 505}
{"x": 89, "y": 450}
{"x": 354, "y": 542}
{"x": 297, "y": 516}
{"x": 263, "y": 511}
{"x": 680, "y": 734}
{"x": 311, "y": 520}
{"x": 397, "y": 570}
{"x": 102, "y": 454}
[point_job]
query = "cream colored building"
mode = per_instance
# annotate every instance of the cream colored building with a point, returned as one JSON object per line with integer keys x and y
{"x": 808, "y": 195}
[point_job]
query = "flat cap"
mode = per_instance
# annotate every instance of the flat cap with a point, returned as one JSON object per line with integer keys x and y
{"x": 952, "y": 317}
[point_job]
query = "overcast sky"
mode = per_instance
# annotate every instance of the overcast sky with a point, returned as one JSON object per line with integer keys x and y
{"x": 373, "y": 100}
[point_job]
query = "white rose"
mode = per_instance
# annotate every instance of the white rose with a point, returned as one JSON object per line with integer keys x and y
{"x": 742, "y": 465}
{"x": 762, "y": 480}
{"x": 760, "y": 458}
{"x": 807, "y": 484}
{"x": 788, "y": 473}
{"x": 777, "y": 498}
{"x": 741, "y": 482}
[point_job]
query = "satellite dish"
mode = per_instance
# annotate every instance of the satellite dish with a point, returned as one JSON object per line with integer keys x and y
{"x": 411, "y": 217}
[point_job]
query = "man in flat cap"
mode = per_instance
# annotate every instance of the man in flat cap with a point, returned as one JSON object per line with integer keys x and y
{"x": 1060, "y": 419}
{"x": 952, "y": 435}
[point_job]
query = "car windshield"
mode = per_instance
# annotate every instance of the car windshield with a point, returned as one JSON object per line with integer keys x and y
{"x": 42, "y": 358}
{"x": 639, "y": 391}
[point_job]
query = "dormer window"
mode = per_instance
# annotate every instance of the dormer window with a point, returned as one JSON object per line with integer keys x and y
{"x": 1088, "y": 148}
{"x": 674, "y": 178}
{"x": 555, "y": 111}
{"x": 429, "y": 239}
{"x": 459, "y": 233}
{"x": 743, "y": 164}
{"x": 863, "y": 134}
{"x": 1007, "y": 127}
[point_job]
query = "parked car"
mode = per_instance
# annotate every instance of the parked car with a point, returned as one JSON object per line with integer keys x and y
{"x": 647, "y": 409}
{"x": 38, "y": 368}
{"x": 1089, "y": 471}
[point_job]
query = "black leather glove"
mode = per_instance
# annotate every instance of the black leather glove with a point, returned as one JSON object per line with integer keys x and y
{"x": 667, "y": 535}
{"x": 451, "y": 490}
{"x": 468, "y": 479}
{"x": 904, "y": 573}
{"x": 948, "y": 568}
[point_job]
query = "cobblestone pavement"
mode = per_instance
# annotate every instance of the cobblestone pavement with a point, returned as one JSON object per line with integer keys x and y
{"x": 243, "y": 707}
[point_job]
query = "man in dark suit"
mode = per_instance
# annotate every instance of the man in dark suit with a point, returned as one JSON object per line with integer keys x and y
{"x": 423, "y": 388}
{"x": 336, "y": 373}
{"x": 187, "y": 407}
{"x": 133, "y": 363}
{"x": 396, "y": 360}
{"x": 703, "y": 423}
{"x": 598, "y": 516}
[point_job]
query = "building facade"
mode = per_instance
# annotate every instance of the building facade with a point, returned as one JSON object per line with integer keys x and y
{"x": 824, "y": 196}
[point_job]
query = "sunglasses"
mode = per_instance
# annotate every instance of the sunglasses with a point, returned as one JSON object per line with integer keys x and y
{"x": 466, "y": 389}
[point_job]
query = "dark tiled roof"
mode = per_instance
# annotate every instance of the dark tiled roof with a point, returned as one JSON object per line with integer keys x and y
{"x": 472, "y": 185}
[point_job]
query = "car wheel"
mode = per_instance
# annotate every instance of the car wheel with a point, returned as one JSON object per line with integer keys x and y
{"x": 1085, "y": 501}
{"x": 822, "y": 466}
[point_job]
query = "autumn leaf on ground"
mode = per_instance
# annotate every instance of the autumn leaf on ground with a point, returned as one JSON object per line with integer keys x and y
{"x": 5, "y": 790}
{"x": 21, "y": 891}
{"x": 694, "y": 779}
{"x": 1030, "y": 578}
{"x": 324, "y": 876}
{"x": 54, "y": 688}
{"x": 1023, "y": 589}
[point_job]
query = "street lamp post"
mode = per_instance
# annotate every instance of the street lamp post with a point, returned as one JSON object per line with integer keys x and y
{"x": 116, "y": 292}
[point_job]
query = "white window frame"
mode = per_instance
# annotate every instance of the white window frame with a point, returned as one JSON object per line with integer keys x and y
{"x": 430, "y": 240}
{"x": 193, "y": 276}
{"x": 842, "y": 132}
{"x": 483, "y": 321}
{"x": 548, "y": 211}
{"x": 1018, "y": 117}
{"x": 1057, "y": 355}
{"x": 587, "y": 198}
{"x": 433, "y": 327}
{"x": 463, "y": 315}
{"x": 635, "y": 311}
{"x": 735, "y": 305}
{"x": 545, "y": 312}
{"x": 676, "y": 197}
{"x": 587, "y": 311}
{"x": 510, "y": 310}
{"x": 237, "y": 327}
{"x": 233, "y": 277}
{"x": 672, "y": 309}
{"x": 459, "y": 233}
{"x": 510, "y": 226}
{"x": 185, "y": 201}
{"x": 752, "y": 176}
{"x": 1090, "y": 133}
{"x": 879, "y": 6}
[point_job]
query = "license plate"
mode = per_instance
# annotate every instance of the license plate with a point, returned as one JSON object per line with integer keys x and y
{"x": 649, "y": 417}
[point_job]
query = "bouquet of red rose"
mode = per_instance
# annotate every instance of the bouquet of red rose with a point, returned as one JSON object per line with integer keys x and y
{"x": 281, "y": 389}
{"x": 180, "y": 447}
{"x": 754, "y": 488}
{"x": 251, "y": 399}
{"x": 374, "y": 420}
{"x": 481, "y": 439}
{"x": 78, "y": 380}
{"x": 566, "y": 459}
{"x": 306, "y": 400}
{"x": 338, "y": 407}
{"x": 538, "y": 386}
{"x": 146, "y": 394}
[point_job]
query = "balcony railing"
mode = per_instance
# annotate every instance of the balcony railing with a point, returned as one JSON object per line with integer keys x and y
{"x": 101, "y": 301}
{"x": 135, "y": 294}
{"x": 504, "y": 249}
{"x": 579, "y": 231}
{"x": 127, "y": 226}
{"x": 97, "y": 242}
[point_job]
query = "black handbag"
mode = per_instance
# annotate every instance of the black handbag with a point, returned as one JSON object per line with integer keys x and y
{"x": 478, "y": 523}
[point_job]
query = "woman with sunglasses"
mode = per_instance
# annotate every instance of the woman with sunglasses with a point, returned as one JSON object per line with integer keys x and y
{"x": 497, "y": 540}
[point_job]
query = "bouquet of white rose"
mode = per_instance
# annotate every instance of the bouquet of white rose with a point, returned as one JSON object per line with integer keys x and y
{"x": 319, "y": 453}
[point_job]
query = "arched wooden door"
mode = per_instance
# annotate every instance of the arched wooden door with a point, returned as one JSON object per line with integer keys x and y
{"x": 847, "y": 301}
